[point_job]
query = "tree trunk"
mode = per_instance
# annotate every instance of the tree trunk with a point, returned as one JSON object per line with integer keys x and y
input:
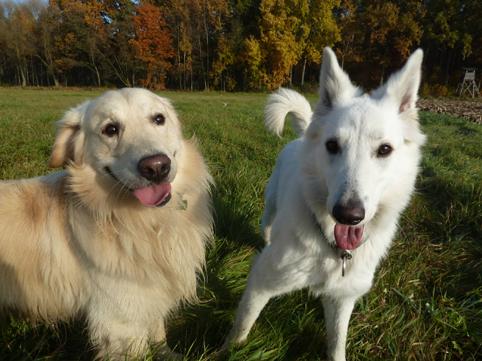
{"x": 447, "y": 67}
{"x": 94, "y": 66}
{"x": 202, "y": 62}
{"x": 22, "y": 79}
{"x": 184, "y": 72}
{"x": 178, "y": 57}
{"x": 97, "y": 73}
{"x": 303, "y": 70}
{"x": 192, "y": 85}
{"x": 206, "y": 31}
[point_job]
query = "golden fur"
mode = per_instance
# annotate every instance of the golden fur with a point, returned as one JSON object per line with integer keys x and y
{"x": 77, "y": 241}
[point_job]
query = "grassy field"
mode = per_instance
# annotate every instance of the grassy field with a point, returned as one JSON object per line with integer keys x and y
{"x": 426, "y": 303}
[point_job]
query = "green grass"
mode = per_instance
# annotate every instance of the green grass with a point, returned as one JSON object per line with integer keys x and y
{"x": 426, "y": 303}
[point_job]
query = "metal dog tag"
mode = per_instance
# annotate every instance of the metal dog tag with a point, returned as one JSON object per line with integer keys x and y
{"x": 182, "y": 203}
{"x": 345, "y": 255}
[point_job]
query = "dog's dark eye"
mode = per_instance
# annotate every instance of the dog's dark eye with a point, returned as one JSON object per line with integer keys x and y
{"x": 159, "y": 119}
{"x": 111, "y": 130}
{"x": 384, "y": 150}
{"x": 332, "y": 146}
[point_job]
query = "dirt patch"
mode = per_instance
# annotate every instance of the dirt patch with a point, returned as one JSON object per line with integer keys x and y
{"x": 468, "y": 109}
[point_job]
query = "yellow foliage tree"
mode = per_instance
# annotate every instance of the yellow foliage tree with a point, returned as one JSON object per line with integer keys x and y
{"x": 289, "y": 30}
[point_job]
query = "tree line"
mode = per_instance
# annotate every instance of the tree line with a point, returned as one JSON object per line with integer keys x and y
{"x": 231, "y": 44}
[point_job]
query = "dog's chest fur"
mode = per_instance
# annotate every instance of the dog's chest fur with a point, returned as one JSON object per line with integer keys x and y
{"x": 160, "y": 250}
{"x": 300, "y": 243}
{"x": 146, "y": 248}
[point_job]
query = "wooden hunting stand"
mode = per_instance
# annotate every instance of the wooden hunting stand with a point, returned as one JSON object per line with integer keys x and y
{"x": 468, "y": 84}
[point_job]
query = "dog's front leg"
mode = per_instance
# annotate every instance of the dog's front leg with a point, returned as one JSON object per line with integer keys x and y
{"x": 267, "y": 279}
{"x": 157, "y": 335}
{"x": 252, "y": 303}
{"x": 337, "y": 316}
{"x": 157, "y": 331}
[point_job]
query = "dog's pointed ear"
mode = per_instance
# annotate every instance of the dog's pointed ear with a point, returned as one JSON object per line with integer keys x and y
{"x": 67, "y": 146}
{"x": 335, "y": 85}
{"x": 402, "y": 87}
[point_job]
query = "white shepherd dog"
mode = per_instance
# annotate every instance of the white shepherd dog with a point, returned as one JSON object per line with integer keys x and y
{"x": 336, "y": 193}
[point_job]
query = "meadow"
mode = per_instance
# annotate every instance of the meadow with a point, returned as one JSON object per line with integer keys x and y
{"x": 426, "y": 303}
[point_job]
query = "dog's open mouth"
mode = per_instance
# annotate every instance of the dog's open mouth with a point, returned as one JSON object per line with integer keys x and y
{"x": 348, "y": 237}
{"x": 155, "y": 195}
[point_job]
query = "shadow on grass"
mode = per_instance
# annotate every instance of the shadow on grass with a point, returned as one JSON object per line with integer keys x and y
{"x": 235, "y": 226}
{"x": 62, "y": 341}
{"x": 205, "y": 325}
{"x": 455, "y": 209}
{"x": 452, "y": 223}
{"x": 23, "y": 339}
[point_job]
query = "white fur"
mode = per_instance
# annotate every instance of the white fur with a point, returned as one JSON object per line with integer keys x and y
{"x": 283, "y": 102}
{"x": 307, "y": 181}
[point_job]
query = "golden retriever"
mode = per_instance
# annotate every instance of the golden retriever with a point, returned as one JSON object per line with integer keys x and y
{"x": 119, "y": 236}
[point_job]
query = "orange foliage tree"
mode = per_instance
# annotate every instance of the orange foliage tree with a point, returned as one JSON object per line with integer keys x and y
{"x": 231, "y": 44}
{"x": 152, "y": 44}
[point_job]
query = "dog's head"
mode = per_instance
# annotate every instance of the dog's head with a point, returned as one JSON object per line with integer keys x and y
{"x": 364, "y": 146}
{"x": 130, "y": 138}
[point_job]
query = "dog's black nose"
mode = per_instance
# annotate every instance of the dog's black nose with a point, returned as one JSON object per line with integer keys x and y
{"x": 350, "y": 213}
{"x": 155, "y": 167}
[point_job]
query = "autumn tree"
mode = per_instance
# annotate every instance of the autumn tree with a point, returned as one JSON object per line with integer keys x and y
{"x": 378, "y": 36}
{"x": 223, "y": 60}
{"x": 350, "y": 47}
{"x": 453, "y": 35}
{"x": 291, "y": 32}
{"x": 322, "y": 30}
{"x": 119, "y": 54}
{"x": 253, "y": 58}
{"x": 280, "y": 42}
{"x": 231, "y": 44}
{"x": 18, "y": 40}
{"x": 47, "y": 30}
{"x": 214, "y": 14}
{"x": 152, "y": 44}
{"x": 3, "y": 42}
{"x": 61, "y": 39}
{"x": 181, "y": 32}
{"x": 230, "y": 70}
{"x": 93, "y": 34}
{"x": 395, "y": 30}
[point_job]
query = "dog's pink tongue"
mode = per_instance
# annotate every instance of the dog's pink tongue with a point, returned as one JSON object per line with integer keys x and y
{"x": 348, "y": 237}
{"x": 153, "y": 195}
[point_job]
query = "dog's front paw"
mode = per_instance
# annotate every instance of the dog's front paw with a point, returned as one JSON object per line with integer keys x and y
{"x": 164, "y": 353}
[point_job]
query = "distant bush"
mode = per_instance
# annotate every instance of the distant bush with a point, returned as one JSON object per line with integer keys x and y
{"x": 435, "y": 90}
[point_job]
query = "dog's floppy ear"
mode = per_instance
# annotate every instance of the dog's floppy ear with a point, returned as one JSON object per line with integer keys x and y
{"x": 68, "y": 141}
{"x": 335, "y": 85}
{"x": 402, "y": 86}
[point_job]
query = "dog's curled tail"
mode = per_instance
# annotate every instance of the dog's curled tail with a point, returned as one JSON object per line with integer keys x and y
{"x": 284, "y": 102}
